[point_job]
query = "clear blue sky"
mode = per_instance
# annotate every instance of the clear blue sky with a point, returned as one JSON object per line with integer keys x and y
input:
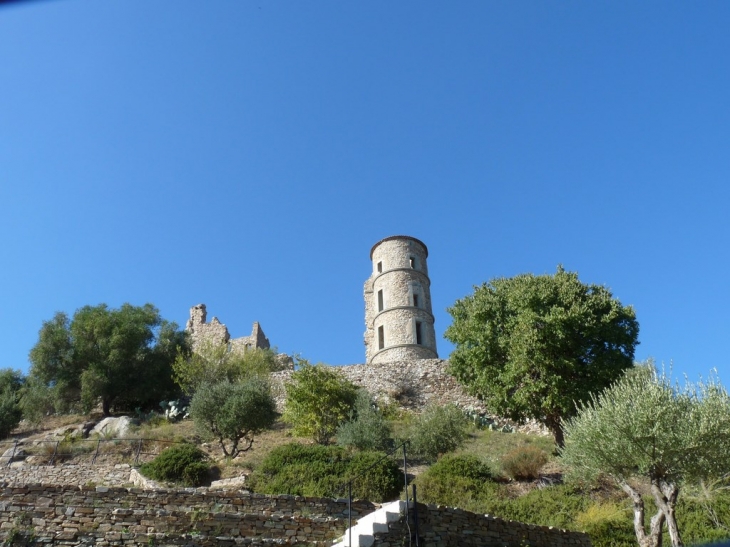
{"x": 247, "y": 155}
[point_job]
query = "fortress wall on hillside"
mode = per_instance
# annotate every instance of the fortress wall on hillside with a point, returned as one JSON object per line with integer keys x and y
{"x": 413, "y": 384}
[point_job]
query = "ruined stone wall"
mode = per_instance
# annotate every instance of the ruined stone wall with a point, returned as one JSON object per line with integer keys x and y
{"x": 413, "y": 384}
{"x": 440, "y": 526}
{"x": 61, "y": 515}
{"x": 216, "y": 333}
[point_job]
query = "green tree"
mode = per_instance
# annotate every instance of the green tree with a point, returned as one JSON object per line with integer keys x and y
{"x": 119, "y": 356}
{"x": 211, "y": 363}
{"x": 52, "y": 360}
{"x": 234, "y": 412}
{"x": 11, "y": 382}
{"x": 318, "y": 400}
{"x": 532, "y": 346}
{"x": 645, "y": 427}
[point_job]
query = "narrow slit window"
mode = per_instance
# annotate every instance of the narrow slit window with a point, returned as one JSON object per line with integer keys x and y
{"x": 380, "y": 267}
{"x": 412, "y": 262}
{"x": 380, "y": 300}
{"x": 415, "y": 300}
{"x": 419, "y": 334}
{"x": 381, "y": 338}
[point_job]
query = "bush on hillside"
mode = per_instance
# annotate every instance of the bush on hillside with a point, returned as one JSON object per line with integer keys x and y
{"x": 438, "y": 430}
{"x": 318, "y": 400}
{"x": 457, "y": 481}
{"x": 323, "y": 471}
{"x": 524, "y": 463}
{"x": 184, "y": 464}
{"x": 376, "y": 477}
{"x": 367, "y": 428}
{"x": 466, "y": 466}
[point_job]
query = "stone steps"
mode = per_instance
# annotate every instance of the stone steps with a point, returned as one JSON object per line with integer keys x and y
{"x": 363, "y": 533}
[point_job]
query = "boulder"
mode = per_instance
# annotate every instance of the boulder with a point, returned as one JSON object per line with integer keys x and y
{"x": 116, "y": 428}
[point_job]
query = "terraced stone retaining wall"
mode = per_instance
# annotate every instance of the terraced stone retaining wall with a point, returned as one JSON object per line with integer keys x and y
{"x": 449, "y": 527}
{"x": 63, "y": 515}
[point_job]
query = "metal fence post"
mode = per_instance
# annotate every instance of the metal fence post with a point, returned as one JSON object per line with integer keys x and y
{"x": 349, "y": 513}
{"x": 98, "y": 443}
{"x": 139, "y": 448}
{"x": 15, "y": 447}
{"x": 415, "y": 514}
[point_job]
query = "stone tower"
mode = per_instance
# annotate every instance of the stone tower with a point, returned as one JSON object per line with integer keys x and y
{"x": 398, "y": 317}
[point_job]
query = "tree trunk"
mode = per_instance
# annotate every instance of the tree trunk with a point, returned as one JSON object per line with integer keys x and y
{"x": 105, "y": 406}
{"x": 665, "y": 497}
{"x": 654, "y": 538}
{"x": 554, "y": 425}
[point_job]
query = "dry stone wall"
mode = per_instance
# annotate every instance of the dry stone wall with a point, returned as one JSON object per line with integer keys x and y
{"x": 440, "y": 526}
{"x": 66, "y": 475}
{"x": 413, "y": 384}
{"x": 63, "y": 515}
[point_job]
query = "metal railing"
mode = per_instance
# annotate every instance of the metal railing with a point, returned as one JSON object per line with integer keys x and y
{"x": 405, "y": 491}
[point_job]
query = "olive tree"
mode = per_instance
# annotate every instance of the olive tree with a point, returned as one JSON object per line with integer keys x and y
{"x": 644, "y": 427}
{"x": 234, "y": 412}
{"x": 532, "y": 346}
{"x": 318, "y": 400}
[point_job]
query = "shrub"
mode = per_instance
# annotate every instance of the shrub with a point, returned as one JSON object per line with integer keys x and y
{"x": 377, "y": 478}
{"x": 553, "y": 506}
{"x": 524, "y": 463}
{"x": 606, "y": 522}
{"x": 323, "y": 471}
{"x": 367, "y": 429}
{"x": 438, "y": 430}
{"x": 318, "y": 400}
{"x": 184, "y": 463}
{"x": 456, "y": 481}
{"x": 466, "y": 466}
{"x": 234, "y": 412}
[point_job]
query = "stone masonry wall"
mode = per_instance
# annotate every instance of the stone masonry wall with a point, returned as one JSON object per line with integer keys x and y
{"x": 216, "y": 333}
{"x": 397, "y": 295}
{"x": 412, "y": 384}
{"x": 63, "y": 515}
{"x": 66, "y": 475}
{"x": 440, "y": 526}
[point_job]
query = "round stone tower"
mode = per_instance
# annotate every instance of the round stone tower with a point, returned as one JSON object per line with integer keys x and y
{"x": 398, "y": 317}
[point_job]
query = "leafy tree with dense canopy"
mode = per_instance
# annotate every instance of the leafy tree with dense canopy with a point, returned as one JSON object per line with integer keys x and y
{"x": 318, "y": 400}
{"x": 11, "y": 383}
{"x": 532, "y": 346}
{"x": 120, "y": 356}
{"x": 234, "y": 412}
{"x": 643, "y": 427}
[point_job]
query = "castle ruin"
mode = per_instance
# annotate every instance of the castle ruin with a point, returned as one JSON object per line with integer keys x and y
{"x": 216, "y": 333}
{"x": 398, "y": 316}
